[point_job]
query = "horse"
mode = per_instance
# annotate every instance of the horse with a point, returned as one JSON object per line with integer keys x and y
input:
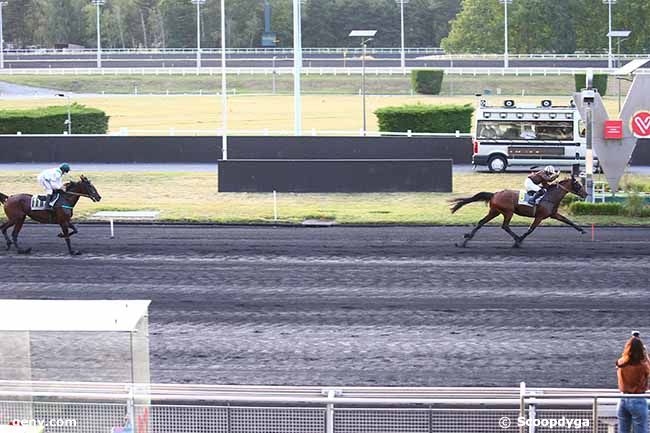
{"x": 506, "y": 203}
{"x": 18, "y": 207}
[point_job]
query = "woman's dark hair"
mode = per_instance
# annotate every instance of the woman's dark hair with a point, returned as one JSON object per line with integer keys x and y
{"x": 634, "y": 352}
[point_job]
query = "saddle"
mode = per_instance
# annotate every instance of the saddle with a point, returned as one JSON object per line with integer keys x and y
{"x": 524, "y": 196}
{"x": 39, "y": 202}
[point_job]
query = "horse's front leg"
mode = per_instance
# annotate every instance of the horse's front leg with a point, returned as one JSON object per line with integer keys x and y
{"x": 531, "y": 229}
{"x": 567, "y": 221}
{"x": 66, "y": 236}
{"x": 73, "y": 232}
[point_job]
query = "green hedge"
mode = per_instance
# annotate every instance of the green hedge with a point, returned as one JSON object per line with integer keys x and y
{"x": 600, "y": 82}
{"x": 425, "y": 118}
{"x": 584, "y": 208}
{"x": 51, "y": 120}
{"x": 427, "y": 82}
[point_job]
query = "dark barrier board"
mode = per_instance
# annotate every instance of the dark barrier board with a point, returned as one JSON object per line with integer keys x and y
{"x": 458, "y": 149}
{"x": 336, "y": 175}
{"x": 109, "y": 149}
{"x": 166, "y": 149}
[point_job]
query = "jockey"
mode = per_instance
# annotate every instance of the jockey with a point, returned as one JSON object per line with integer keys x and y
{"x": 51, "y": 181}
{"x": 539, "y": 181}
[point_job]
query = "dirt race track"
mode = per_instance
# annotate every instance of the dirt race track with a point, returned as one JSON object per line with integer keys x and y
{"x": 350, "y": 306}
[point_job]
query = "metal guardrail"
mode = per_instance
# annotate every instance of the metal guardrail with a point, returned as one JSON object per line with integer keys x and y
{"x": 104, "y": 407}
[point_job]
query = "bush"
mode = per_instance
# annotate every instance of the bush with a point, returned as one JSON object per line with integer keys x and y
{"x": 637, "y": 186}
{"x": 427, "y": 82}
{"x": 634, "y": 204}
{"x": 425, "y": 118}
{"x": 584, "y": 208}
{"x": 600, "y": 82}
{"x": 51, "y": 120}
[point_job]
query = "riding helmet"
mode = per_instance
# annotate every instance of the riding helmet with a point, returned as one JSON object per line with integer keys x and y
{"x": 65, "y": 167}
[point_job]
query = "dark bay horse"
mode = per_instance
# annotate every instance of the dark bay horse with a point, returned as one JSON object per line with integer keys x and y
{"x": 506, "y": 203}
{"x": 18, "y": 207}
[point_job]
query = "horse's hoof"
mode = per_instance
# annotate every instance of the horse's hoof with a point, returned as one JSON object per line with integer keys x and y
{"x": 25, "y": 251}
{"x": 75, "y": 253}
{"x": 8, "y": 246}
{"x": 460, "y": 245}
{"x": 517, "y": 245}
{"x": 60, "y": 235}
{"x": 467, "y": 236}
{"x": 583, "y": 232}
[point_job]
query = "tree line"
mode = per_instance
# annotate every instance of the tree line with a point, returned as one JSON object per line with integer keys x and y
{"x": 548, "y": 26}
{"x": 172, "y": 23}
{"x": 536, "y": 26}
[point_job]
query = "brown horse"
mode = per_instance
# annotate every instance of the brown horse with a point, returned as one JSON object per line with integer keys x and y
{"x": 506, "y": 203}
{"x": 18, "y": 207}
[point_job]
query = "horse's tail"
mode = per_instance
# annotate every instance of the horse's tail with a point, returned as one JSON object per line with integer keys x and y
{"x": 460, "y": 202}
{"x": 3, "y": 198}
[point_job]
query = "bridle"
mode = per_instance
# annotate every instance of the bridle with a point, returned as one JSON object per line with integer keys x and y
{"x": 570, "y": 191}
{"x": 78, "y": 194}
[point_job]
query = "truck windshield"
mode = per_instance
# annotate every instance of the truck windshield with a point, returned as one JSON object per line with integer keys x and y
{"x": 524, "y": 130}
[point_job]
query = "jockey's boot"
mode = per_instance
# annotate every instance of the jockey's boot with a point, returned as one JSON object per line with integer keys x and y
{"x": 533, "y": 200}
{"x": 51, "y": 200}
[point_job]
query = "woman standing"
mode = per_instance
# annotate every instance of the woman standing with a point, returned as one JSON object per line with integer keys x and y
{"x": 633, "y": 370}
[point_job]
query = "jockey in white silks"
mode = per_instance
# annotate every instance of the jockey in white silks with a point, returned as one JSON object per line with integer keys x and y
{"x": 52, "y": 180}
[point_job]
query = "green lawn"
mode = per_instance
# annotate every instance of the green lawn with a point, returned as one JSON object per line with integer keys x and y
{"x": 320, "y": 84}
{"x": 193, "y": 197}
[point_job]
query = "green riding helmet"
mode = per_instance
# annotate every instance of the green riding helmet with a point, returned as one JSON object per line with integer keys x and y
{"x": 65, "y": 167}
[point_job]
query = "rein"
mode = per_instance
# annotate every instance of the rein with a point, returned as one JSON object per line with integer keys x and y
{"x": 562, "y": 187}
{"x": 78, "y": 194}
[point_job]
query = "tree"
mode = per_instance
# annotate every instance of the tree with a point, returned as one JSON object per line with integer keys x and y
{"x": 478, "y": 28}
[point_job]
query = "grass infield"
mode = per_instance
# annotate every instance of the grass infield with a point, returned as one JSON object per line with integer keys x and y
{"x": 192, "y": 197}
{"x": 319, "y": 112}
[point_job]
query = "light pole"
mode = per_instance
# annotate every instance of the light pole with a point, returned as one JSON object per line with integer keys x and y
{"x": 198, "y": 4}
{"x": 609, "y": 3}
{"x": 273, "y": 75}
{"x": 297, "y": 67}
{"x": 2, "y": 38}
{"x": 621, "y": 35}
{"x": 69, "y": 120}
{"x": 402, "y": 53}
{"x": 366, "y": 36}
{"x": 224, "y": 94}
{"x": 98, "y": 4}
{"x": 588, "y": 97}
{"x": 505, "y": 4}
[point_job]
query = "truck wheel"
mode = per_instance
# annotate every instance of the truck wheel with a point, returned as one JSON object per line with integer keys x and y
{"x": 497, "y": 164}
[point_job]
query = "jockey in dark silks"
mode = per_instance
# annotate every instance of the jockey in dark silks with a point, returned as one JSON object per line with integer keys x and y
{"x": 539, "y": 181}
{"x": 52, "y": 181}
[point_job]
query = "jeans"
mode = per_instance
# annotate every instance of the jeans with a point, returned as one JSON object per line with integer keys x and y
{"x": 632, "y": 415}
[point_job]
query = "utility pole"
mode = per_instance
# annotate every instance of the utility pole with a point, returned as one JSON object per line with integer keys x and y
{"x": 2, "y": 38}
{"x": 588, "y": 97}
{"x": 198, "y": 4}
{"x": 99, "y": 4}
{"x": 506, "y": 62}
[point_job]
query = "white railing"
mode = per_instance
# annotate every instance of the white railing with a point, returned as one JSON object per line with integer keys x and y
{"x": 250, "y": 132}
{"x": 331, "y": 50}
{"x": 307, "y": 70}
{"x": 276, "y": 132}
{"x": 157, "y": 408}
